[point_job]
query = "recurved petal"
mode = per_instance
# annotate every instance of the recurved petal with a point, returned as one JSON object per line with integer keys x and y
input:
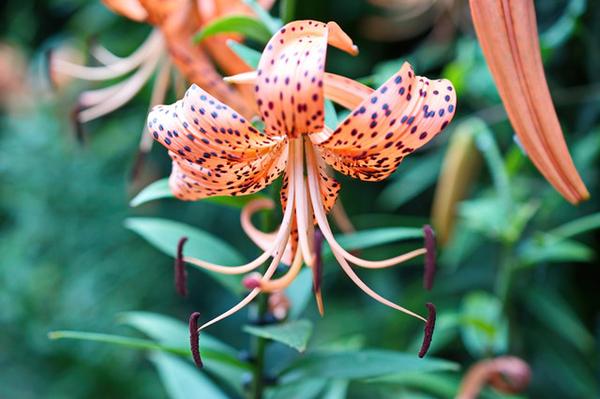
{"x": 289, "y": 85}
{"x": 131, "y": 9}
{"x": 215, "y": 151}
{"x": 507, "y": 32}
{"x": 400, "y": 116}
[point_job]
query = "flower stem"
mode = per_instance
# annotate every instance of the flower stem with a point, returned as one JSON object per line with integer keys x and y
{"x": 260, "y": 344}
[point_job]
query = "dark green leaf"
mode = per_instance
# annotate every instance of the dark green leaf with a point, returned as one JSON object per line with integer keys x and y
{"x": 299, "y": 292}
{"x": 134, "y": 343}
{"x": 413, "y": 177}
{"x": 242, "y": 24}
{"x": 182, "y": 380}
{"x": 287, "y": 9}
{"x": 549, "y": 249}
{"x": 294, "y": 334}
{"x": 306, "y": 389}
{"x": 555, "y": 314}
{"x": 363, "y": 364}
{"x": 165, "y": 234}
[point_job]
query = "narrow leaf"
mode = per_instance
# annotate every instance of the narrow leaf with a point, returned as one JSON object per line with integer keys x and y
{"x": 555, "y": 314}
{"x": 165, "y": 234}
{"x": 363, "y": 364}
{"x": 413, "y": 177}
{"x": 134, "y": 343}
{"x": 242, "y": 24}
{"x": 294, "y": 334}
{"x": 160, "y": 189}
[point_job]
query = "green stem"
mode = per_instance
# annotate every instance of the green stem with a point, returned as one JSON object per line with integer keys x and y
{"x": 260, "y": 343}
{"x": 505, "y": 275}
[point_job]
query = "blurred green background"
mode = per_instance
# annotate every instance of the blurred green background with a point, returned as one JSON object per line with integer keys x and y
{"x": 68, "y": 262}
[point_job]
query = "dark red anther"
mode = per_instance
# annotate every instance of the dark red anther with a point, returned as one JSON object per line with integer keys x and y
{"x": 430, "y": 255}
{"x": 429, "y": 327}
{"x": 194, "y": 339}
{"x": 179, "y": 269}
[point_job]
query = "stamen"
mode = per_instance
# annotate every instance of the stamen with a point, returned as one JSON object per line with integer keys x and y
{"x": 179, "y": 268}
{"x": 242, "y": 78}
{"x": 317, "y": 204}
{"x": 285, "y": 228}
{"x": 301, "y": 202}
{"x": 194, "y": 339}
{"x": 335, "y": 246}
{"x": 430, "y": 255}
{"x": 317, "y": 270}
{"x": 284, "y": 281}
{"x": 151, "y": 45}
{"x": 159, "y": 92}
{"x": 248, "y": 267}
{"x": 126, "y": 92}
{"x": 429, "y": 327}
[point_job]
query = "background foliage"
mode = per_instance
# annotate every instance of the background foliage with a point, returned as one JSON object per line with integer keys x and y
{"x": 520, "y": 275}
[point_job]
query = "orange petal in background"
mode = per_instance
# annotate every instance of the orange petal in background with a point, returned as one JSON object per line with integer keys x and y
{"x": 507, "y": 32}
{"x": 131, "y": 9}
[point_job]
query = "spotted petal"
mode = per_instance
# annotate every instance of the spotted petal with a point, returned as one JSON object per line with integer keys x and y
{"x": 215, "y": 151}
{"x": 289, "y": 85}
{"x": 402, "y": 115}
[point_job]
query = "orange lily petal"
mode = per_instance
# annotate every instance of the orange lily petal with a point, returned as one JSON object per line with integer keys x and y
{"x": 178, "y": 21}
{"x": 289, "y": 87}
{"x": 131, "y": 9}
{"x": 402, "y": 115}
{"x": 214, "y": 150}
{"x": 507, "y": 32}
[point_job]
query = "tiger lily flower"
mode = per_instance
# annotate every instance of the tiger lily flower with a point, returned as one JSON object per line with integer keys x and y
{"x": 507, "y": 32}
{"x": 168, "y": 46}
{"x": 215, "y": 151}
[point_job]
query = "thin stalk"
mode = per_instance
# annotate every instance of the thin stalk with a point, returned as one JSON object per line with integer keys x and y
{"x": 260, "y": 344}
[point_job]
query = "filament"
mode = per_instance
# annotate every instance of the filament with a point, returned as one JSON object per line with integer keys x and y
{"x": 339, "y": 255}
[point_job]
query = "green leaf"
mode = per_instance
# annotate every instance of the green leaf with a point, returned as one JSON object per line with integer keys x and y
{"x": 165, "y": 234}
{"x": 577, "y": 226}
{"x": 134, "y": 343}
{"x": 555, "y": 314}
{"x": 440, "y": 385}
{"x": 361, "y": 364}
{"x": 169, "y": 331}
{"x": 287, "y": 10}
{"x": 484, "y": 329}
{"x": 306, "y": 389}
{"x": 299, "y": 292}
{"x": 160, "y": 189}
{"x": 221, "y": 360}
{"x": 242, "y": 24}
{"x": 273, "y": 24}
{"x": 156, "y": 190}
{"x": 373, "y": 237}
{"x": 249, "y": 55}
{"x": 294, "y": 334}
{"x": 182, "y": 380}
{"x": 491, "y": 154}
{"x": 545, "y": 248}
{"x": 413, "y": 177}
